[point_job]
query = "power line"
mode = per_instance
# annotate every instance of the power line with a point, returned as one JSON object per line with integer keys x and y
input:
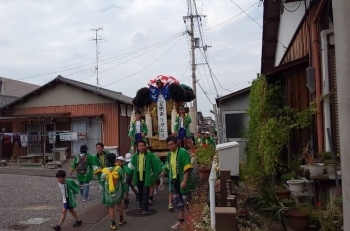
{"x": 133, "y": 50}
{"x": 244, "y": 11}
{"x": 217, "y": 64}
{"x": 145, "y": 66}
{"x": 204, "y": 93}
{"x": 232, "y": 17}
{"x": 16, "y": 90}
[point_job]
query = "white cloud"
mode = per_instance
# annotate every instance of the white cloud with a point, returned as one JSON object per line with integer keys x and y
{"x": 39, "y": 36}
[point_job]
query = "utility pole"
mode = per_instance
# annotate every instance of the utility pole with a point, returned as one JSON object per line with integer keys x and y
{"x": 96, "y": 39}
{"x": 191, "y": 17}
{"x": 342, "y": 55}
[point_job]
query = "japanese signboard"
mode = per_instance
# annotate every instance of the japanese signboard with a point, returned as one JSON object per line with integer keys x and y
{"x": 162, "y": 118}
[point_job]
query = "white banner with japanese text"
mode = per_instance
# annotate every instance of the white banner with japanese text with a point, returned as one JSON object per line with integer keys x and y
{"x": 162, "y": 118}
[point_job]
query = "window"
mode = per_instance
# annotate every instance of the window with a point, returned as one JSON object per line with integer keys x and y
{"x": 236, "y": 123}
{"x": 122, "y": 109}
{"x": 129, "y": 112}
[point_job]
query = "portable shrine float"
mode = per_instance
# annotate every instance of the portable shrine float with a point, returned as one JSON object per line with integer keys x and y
{"x": 159, "y": 103}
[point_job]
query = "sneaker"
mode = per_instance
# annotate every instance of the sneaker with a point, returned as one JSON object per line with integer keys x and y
{"x": 144, "y": 213}
{"x": 139, "y": 208}
{"x": 78, "y": 223}
{"x": 155, "y": 192}
{"x": 84, "y": 200}
{"x": 170, "y": 207}
{"x": 113, "y": 227}
{"x": 150, "y": 202}
{"x": 123, "y": 222}
{"x": 57, "y": 227}
{"x": 176, "y": 226}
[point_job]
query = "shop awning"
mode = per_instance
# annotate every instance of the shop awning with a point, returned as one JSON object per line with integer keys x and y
{"x": 32, "y": 117}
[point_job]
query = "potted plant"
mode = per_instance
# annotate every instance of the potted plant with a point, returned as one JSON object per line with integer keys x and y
{"x": 204, "y": 156}
{"x": 316, "y": 169}
{"x": 298, "y": 219}
{"x": 329, "y": 166}
{"x": 296, "y": 185}
{"x": 287, "y": 176}
{"x": 282, "y": 192}
{"x": 323, "y": 156}
{"x": 314, "y": 215}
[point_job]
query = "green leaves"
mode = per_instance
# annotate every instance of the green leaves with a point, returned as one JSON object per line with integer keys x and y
{"x": 270, "y": 122}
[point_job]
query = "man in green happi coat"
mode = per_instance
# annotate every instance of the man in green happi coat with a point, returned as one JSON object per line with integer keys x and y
{"x": 83, "y": 165}
{"x": 179, "y": 168}
{"x": 182, "y": 126}
{"x": 208, "y": 140}
{"x": 144, "y": 165}
{"x": 138, "y": 130}
{"x": 99, "y": 162}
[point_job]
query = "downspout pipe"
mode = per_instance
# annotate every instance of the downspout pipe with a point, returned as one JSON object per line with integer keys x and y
{"x": 318, "y": 78}
{"x": 326, "y": 88}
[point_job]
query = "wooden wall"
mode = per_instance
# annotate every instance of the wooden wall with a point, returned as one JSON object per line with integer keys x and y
{"x": 300, "y": 44}
{"x": 298, "y": 97}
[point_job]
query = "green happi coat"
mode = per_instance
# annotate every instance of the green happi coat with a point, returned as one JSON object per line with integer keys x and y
{"x": 89, "y": 174}
{"x": 143, "y": 130}
{"x": 209, "y": 141}
{"x": 109, "y": 197}
{"x": 98, "y": 164}
{"x": 156, "y": 176}
{"x": 199, "y": 141}
{"x": 186, "y": 125}
{"x": 71, "y": 190}
{"x": 152, "y": 166}
{"x": 183, "y": 163}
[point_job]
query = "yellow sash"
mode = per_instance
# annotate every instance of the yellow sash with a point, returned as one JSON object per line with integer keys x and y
{"x": 111, "y": 176}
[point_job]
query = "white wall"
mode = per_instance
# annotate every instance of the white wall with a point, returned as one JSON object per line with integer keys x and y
{"x": 289, "y": 23}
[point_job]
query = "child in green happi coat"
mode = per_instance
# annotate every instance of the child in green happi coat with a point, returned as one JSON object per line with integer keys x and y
{"x": 112, "y": 180}
{"x": 68, "y": 189}
{"x": 83, "y": 165}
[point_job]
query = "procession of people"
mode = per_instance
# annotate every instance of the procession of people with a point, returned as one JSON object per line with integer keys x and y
{"x": 139, "y": 172}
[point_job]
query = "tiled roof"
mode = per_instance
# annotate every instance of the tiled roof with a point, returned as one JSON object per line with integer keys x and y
{"x": 6, "y": 99}
{"x": 101, "y": 91}
{"x": 118, "y": 96}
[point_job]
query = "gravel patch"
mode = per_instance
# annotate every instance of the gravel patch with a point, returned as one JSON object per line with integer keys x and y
{"x": 24, "y": 197}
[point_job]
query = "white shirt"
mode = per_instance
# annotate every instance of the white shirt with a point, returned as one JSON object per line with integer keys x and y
{"x": 61, "y": 186}
{"x": 138, "y": 126}
{"x": 181, "y": 122}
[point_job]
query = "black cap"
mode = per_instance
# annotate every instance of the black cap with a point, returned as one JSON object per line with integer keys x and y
{"x": 111, "y": 157}
{"x": 83, "y": 148}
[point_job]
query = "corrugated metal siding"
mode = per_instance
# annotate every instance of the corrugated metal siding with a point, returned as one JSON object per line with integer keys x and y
{"x": 236, "y": 103}
{"x": 334, "y": 102}
{"x": 109, "y": 119}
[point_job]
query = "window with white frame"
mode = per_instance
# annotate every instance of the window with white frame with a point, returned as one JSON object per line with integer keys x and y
{"x": 122, "y": 109}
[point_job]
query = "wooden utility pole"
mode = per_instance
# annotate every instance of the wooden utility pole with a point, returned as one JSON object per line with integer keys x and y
{"x": 341, "y": 17}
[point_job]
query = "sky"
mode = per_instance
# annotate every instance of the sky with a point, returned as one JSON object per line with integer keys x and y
{"x": 40, "y": 40}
